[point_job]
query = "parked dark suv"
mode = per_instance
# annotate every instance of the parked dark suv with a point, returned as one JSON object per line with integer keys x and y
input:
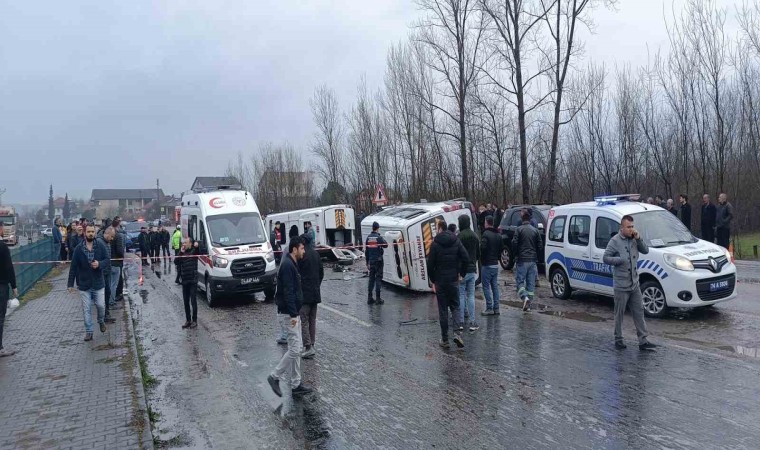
{"x": 509, "y": 223}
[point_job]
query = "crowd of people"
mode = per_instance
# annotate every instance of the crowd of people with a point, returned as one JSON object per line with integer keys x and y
{"x": 716, "y": 220}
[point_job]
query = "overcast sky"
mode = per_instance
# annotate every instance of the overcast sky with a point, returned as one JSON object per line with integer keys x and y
{"x": 114, "y": 94}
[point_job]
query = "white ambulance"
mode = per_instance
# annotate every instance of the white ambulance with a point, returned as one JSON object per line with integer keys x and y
{"x": 236, "y": 257}
{"x": 333, "y": 225}
{"x": 679, "y": 270}
{"x": 410, "y": 229}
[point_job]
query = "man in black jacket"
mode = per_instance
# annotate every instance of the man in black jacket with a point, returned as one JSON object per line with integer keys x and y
{"x": 187, "y": 267}
{"x": 724, "y": 215}
{"x": 155, "y": 244}
{"x": 312, "y": 274}
{"x": 86, "y": 270}
{"x": 7, "y": 283}
{"x": 526, "y": 242}
{"x": 490, "y": 252}
{"x": 289, "y": 297}
{"x": 467, "y": 285}
{"x": 446, "y": 264}
{"x": 165, "y": 239}
{"x": 144, "y": 242}
{"x": 707, "y": 221}
{"x": 684, "y": 212}
{"x": 373, "y": 252}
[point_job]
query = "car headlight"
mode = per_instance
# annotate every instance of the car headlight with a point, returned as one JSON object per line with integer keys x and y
{"x": 728, "y": 255}
{"x": 220, "y": 262}
{"x": 270, "y": 256}
{"x": 678, "y": 262}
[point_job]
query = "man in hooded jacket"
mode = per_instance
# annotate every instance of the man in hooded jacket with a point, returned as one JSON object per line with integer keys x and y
{"x": 446, "y": 264}
{"x": 312, "y": 274}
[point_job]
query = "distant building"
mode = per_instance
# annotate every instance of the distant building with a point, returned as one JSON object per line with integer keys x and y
{"x": 111, "y": 202}
{"x": 203, "y": 183}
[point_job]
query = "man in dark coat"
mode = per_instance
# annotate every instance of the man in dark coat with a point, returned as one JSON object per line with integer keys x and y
{"x": 187, "y": 267}
{"x": 446, "y": 264}
{"x": 7, "y": 284}
{"x": 312, "y": 274}
{"x": 373, "y": 252}
{"x": 289, "y": 297}
{"x": 143, "y": 241}
{"x": 684, "y": 213}
{"x": 707, "y": 221}
{"x": 86, "y": 270}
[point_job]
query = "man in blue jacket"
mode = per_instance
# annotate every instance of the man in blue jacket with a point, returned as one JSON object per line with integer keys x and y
{"x": 289, "y": 297}
{"x": 87, "y": 263}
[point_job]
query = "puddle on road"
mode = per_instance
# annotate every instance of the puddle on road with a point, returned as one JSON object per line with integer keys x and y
{"x": 574, "y": 315}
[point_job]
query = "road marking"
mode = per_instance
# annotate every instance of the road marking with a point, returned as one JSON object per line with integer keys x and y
{"x": 347, "y": 316}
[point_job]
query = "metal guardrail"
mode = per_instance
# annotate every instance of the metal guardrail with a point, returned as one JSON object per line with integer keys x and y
{"x": 28, "y": 274}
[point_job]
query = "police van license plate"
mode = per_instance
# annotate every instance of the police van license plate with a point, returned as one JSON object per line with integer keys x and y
{"x": 718, "y": 285}
{"x": 249, "y": 280}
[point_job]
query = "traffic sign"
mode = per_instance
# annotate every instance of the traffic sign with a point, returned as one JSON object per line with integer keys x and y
{"x": 380, "y": 198}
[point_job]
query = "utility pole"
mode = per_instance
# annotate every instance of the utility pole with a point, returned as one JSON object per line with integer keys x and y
{"x": 158, "y": 200}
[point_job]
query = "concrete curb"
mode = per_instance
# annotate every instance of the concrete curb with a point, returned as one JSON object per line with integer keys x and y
{"x": 146, "y": 435}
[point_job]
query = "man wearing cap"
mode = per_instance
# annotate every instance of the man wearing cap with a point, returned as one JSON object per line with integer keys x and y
{"x": 373, "y": 251}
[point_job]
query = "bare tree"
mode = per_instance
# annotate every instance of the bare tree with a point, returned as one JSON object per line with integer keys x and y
{"x": 328, "y": 140}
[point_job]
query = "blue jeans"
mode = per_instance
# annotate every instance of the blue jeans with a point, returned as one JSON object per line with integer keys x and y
{"x": 490, "y": 279}
{"x": 115, "y": 275}
{"x": 88, "y": 298}
{"x": 467, "y": 298}
{"x": 525, "y": 279}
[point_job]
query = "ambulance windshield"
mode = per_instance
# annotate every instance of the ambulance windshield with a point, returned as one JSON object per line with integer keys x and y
{"x": 227, "y": 230}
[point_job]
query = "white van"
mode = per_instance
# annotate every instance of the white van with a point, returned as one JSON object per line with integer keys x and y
{"x": 410, "y": 229}
{"x": 333, "y": 225}
{"x": 236, "y": 257}
{"x": 679, "y": 270}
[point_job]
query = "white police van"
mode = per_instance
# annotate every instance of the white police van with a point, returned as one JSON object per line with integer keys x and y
{"x": 679, "y": 271}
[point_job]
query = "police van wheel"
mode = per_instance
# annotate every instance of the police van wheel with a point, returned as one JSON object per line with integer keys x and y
{"x": 210, "y": 297}
{"x": 654, "y": 299}
{"x": 560, "y": 284}
{"x": 506, "y": 260}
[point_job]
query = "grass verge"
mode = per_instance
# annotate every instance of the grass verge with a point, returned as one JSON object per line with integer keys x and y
{"x": 743, "y": 245}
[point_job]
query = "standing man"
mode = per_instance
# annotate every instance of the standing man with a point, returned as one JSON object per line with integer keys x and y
{"x": 187, "y": 264}
{"x": 467, "y": 285}
{"x": 671, "y": 208}
{"x": 707, "y": 220}
{"x": 373, "y": 251}
{"x": 724, "y": 215}
{"x": 526, "y": 242}
{"x": 659, "y": 201}
{"x": 176, "y": 246}
{"x": 447, "y": 264}
{"x": 87, "y": 270}
{"x": 144, "y": 243}
{"x": 684, "y": 212}
{"x": 156, "y": 246}
{"x": 74, "y": 239}
{"x": 118, "y": 251}
{"x": 165, "y": 241}
{"x": 289, "y": 297}
{"x": 491, "y": 246}
{"x": 7, "y": 283}
{"x": 622, "y": 254}
{"x": 312, "y": 274}
{"x": 58, "y": 240}
{"x": 274, "y": 241}
{"x": 105, "y": 239}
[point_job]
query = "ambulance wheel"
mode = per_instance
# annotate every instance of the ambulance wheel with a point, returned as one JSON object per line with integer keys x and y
{"x": 210, "y": 297}
{"x": 560, "y": 284}
{"x": 654, "y": 299}
{"x": 506, "y": 260}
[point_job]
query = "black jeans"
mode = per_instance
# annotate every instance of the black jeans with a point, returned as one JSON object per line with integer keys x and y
{"x": 5, "y": 293}
{"x": 375, "y": 277}
{"x": 165, "y": 250}
{"x": 723, "y": 235}
{"x": 448, "y": 299}
{"x": 188, "y": 295}
{"x": 120, "y": 286}
{"x": 708, "y": 234}
{"x": 107, "y": 280}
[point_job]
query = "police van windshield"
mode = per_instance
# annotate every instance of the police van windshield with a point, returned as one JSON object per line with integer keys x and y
{"x": 228, "y": 230}
{"x": 661, "y": 229}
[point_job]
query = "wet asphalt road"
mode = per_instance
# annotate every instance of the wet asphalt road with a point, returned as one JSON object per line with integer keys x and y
{"x": 547, "y": 379}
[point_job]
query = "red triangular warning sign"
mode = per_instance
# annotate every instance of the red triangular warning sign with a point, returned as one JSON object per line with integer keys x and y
{"x": 379, "y": 195}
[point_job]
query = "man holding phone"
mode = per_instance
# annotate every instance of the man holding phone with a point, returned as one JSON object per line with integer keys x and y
{"x": 622, "y": 254}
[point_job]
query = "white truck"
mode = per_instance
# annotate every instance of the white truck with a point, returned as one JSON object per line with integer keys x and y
{"x": 9, "y": 219}
{"x": 333, "y": 225}
{"x": 235, "y": 255}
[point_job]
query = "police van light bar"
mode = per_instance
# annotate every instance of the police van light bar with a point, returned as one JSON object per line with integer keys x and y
{"x": 611, "y": 199}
